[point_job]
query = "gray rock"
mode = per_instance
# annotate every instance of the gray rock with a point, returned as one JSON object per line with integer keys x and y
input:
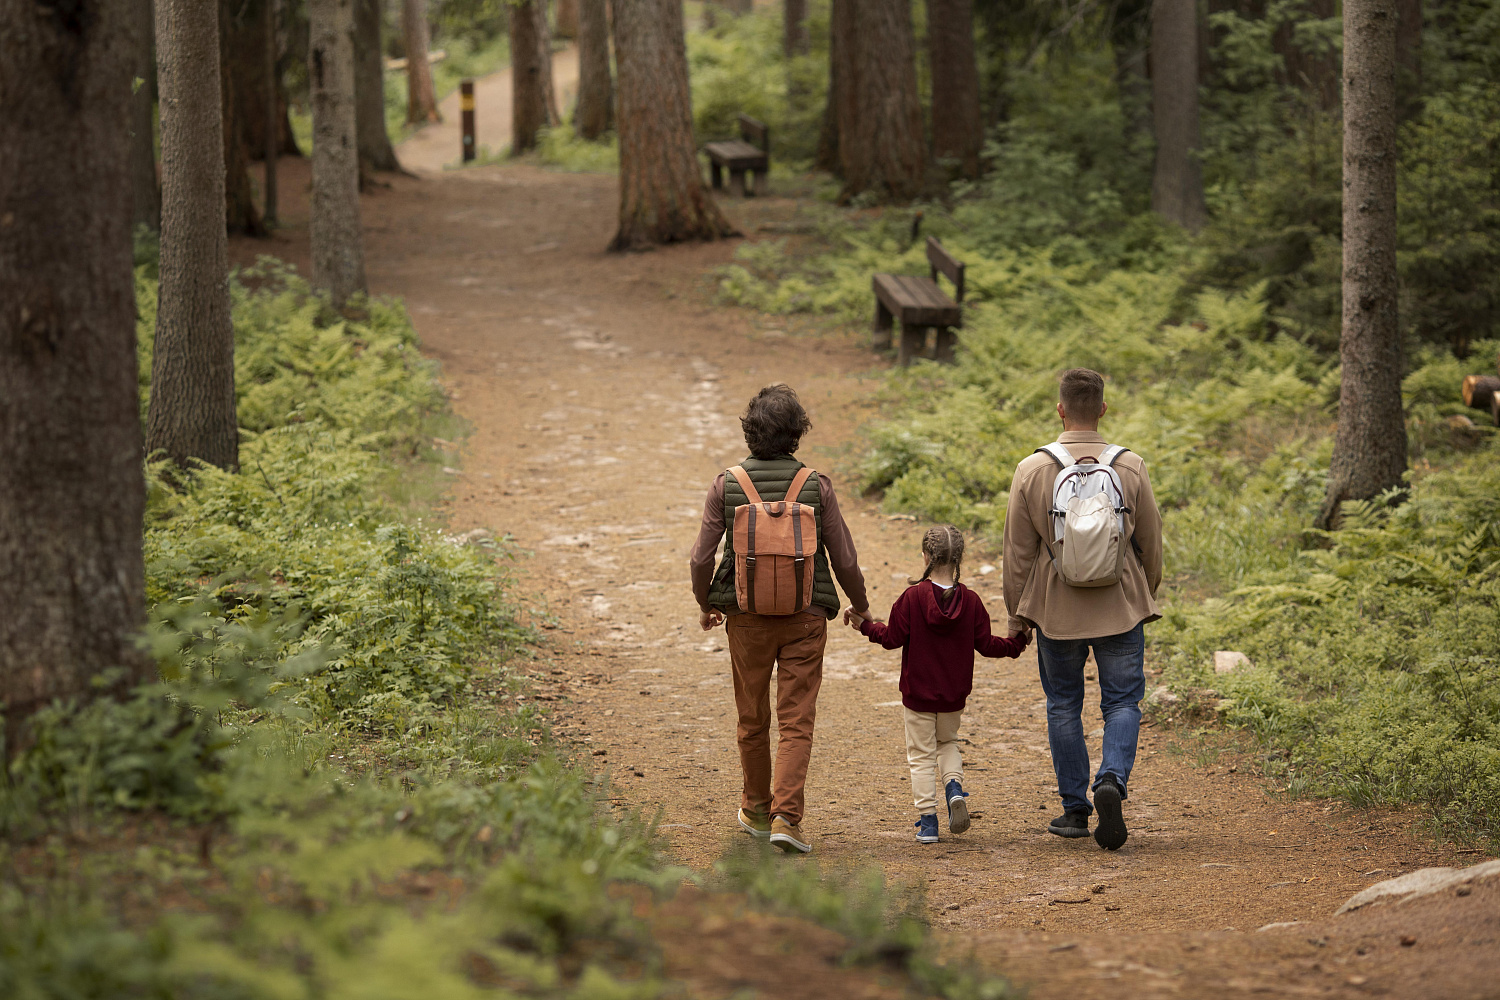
{"x": 1422, "y": 882}
{"x": 1227, "y": 661}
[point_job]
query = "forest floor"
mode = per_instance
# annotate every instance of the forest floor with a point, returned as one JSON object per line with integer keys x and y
{"x": 602, "y": 392}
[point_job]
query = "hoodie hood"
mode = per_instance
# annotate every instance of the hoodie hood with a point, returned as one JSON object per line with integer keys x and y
{"x": 940, "y": 609}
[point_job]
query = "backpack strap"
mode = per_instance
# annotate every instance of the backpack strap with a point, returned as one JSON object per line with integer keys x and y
{"x": 1111, "y": 452}
{"x": 798, "y": 481}
{"x": 743, "y": 478}
{"x": 1059, "y": 454}
{"x": 799, "y": 559}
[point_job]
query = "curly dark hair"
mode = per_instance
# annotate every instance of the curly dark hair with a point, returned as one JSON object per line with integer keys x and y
{"x": 774, "y": 422}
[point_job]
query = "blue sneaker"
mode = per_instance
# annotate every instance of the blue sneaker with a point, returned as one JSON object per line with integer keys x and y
{"x": 958, "y": 808}
{"x": 927, "y": 828}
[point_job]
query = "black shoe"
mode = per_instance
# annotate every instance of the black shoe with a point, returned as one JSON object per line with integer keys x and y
{"x": 1070, "y": 824}
{"x": 1110, "y": 833}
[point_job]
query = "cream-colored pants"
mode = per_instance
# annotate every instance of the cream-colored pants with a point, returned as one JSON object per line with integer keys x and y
{"x": 932, "y": 751}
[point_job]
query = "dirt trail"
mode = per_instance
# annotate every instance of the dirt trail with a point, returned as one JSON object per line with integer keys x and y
{"x": 439, "y": 145}
{"x": 603, "y": 392}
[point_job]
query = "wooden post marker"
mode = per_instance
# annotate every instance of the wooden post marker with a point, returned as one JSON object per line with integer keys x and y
{"x": 466, "y": 105}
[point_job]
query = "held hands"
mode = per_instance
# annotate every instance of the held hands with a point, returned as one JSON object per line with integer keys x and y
{"x": 710, "y": 620}
{"x": 854, "y": 618}
{"x": 1023, "y": 636}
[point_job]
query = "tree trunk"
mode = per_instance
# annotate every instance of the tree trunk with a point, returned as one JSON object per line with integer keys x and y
{"x": 662, "y": 195}
{"x": 240, "y": 213}
{"x": 840, "y": 76}
{"x": 534, "y": 106}
{"x": 145, "y": 189}
{"x": 1369, "y": 449}
{"x": 191, "y": 414}
{"x": 421, "y": 95}
{"x": 1315, "y": 73}
{"x": 794, "y": 28}
{"x": 72, "y": 496}
{"x": 1177, "y": 185}
{"x": 375, "y": 149}
{"x": 881, "y": 145}
{"x": 269, "y": 152}
{"x": 738, "y": 7}
{"x": 242, "y": 23}
{"x": 1408, "y": 58}
{"x": 957, "y": 130}
{"x": 596, "y": 93}
{"x": 338, "y": 251}
{"x": 568, "y": 18}
{"x": 1130, "y": 38}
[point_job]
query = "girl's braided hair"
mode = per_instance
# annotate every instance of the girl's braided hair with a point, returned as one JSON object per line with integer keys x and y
{"x": 944, "y": 545}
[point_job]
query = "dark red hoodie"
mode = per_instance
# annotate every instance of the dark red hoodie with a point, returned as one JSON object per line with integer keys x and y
{"x": 938, "y": 632}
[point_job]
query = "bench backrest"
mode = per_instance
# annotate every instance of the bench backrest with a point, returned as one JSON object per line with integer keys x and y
{"x": 942, "y": 260}
{"x": 755, "y": 133}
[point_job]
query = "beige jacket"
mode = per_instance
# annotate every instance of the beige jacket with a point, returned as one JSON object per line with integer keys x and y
{"x": 1036, "y": 595}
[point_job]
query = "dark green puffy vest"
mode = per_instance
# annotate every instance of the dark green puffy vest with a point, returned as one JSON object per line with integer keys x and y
{"x": 771, "y": 477}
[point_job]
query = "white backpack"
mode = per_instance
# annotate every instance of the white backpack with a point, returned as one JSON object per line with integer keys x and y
{"x": 1088, "y": 518}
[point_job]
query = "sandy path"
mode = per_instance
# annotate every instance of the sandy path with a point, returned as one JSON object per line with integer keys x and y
{"x": 440, "y": 145}
{"x": 603, "y": 391}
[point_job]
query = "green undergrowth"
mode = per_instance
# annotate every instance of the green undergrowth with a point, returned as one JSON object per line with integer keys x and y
{"x": 1374, "y": 666}
{"x": 337, "y": 786}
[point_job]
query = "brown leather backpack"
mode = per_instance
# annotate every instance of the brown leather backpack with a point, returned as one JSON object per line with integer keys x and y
{"x": 774, "y": 545}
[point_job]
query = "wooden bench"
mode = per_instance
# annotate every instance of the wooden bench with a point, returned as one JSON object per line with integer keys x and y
{"x": 751, "y": 152}
{"x": 918, "y": 304}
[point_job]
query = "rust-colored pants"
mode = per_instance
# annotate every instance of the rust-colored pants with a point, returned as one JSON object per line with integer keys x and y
{"x": 792, "y": 645}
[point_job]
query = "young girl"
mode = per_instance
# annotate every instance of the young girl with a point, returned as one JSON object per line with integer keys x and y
{"x": 938, "y": 624}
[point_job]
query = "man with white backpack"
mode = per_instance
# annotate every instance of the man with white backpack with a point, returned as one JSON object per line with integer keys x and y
{"x": 1082, "y": 561}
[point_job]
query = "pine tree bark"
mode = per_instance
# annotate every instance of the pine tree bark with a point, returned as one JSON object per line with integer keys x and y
{"x": 794, "y": 40}
{"x": 840, "y": 95}
{"x": 663, "y": 198}
{"x": 240, "y": 212}
{"x": 568, "y": 19}
{"x": 191, "y": 414}
{"x": 534, "y": 103}
{"x": 145, "y": 188}
{"x": 242, "y": 24}
{"x": 1177, "y": 182}
{"x": 72, "y": 495}
{"x": 957, "y": 129}
{"x": 881, "y": 141}
{"x": 421, "y": 95}
{"x": 375, "y": 149}
{"x": 595, "y": 112}
{"x": 338, "y": 252}
{"x": 1369, "y": 448}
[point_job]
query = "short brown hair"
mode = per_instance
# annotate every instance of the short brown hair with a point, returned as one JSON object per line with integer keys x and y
{"x": 1081, "y": 392}
{"x": 774, "y": 422}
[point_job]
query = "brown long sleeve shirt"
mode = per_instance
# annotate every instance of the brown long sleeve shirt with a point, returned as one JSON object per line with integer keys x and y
{"x": 1035, "y": 593}
{"x": 832, "y": 530}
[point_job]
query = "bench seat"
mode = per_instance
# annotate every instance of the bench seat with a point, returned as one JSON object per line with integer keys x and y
{"x": 736, "y": 154}
{"x": 916, "y": 301}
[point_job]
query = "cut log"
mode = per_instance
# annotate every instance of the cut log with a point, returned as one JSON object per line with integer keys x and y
{"x": 1478, "y": 389}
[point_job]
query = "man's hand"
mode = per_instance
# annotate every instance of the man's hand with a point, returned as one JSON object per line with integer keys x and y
{"x": 710, "y": 620}
{"x": 1024, "y": 634}
{"x": 854, "y": 618}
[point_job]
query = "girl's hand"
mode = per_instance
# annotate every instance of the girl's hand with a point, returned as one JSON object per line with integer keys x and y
{"x": 1024, "y": 636}
{"x": 854, "y": 619}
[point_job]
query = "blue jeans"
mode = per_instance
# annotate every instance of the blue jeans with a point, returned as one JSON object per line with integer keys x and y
{"x": 1122, "y": 684}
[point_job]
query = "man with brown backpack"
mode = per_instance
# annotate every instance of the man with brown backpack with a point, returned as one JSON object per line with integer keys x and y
{"x": 784, "y": 543}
